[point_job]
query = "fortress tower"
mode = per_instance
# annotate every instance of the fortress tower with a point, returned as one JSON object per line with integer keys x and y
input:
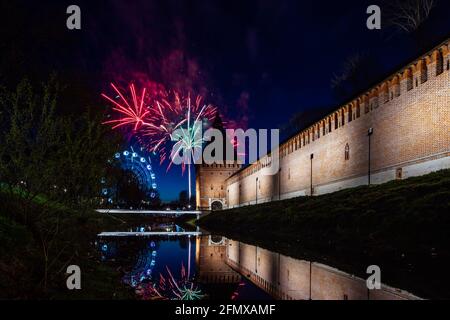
{"x": 210, "y": 179}
{"x": 211, "y": 186}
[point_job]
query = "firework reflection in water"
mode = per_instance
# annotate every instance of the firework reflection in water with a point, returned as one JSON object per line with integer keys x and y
{"x": 168, "y": 288}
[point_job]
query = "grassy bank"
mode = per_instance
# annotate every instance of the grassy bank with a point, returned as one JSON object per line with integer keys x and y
{"x": 402, "y": 226}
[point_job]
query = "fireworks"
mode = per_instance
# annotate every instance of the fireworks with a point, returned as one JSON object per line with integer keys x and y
{"x": 135, "y": 114}
{"x": 175, "y": 126}
{"x": 164, "y": 127}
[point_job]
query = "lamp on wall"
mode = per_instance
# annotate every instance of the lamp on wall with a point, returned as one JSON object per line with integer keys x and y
{"x": 279, "y": 184}
{"x": 311, "y": 187}
{"x": 256, "y": 191}
{"x": 369, "y": 134}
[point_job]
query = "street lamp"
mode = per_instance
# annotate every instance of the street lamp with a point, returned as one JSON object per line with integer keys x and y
{"x": 310, "y": 280}
{"x": 369, "y": 134}
{"x": 311, "y": 187}
{"x": 279, "y": 184}
{"x": 256, "y": 258}
{"x": 256, "y": 191}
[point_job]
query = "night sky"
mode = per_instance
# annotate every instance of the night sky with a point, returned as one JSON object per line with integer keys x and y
{"x": 258, "y": 61}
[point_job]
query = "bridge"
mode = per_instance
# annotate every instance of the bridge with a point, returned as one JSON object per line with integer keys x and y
{"x": 149, "y": 233}
{"x": 197, "y": 213}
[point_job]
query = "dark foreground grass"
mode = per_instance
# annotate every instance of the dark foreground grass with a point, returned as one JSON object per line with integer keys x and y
{"x": 402, "y": 226}
{"x": 69, "y": 241}
{"x": 22, "y": 261}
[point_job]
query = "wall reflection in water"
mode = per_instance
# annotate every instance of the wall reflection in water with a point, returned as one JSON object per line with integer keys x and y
{"x": 214, "y": 267}
{"x": 293, "y": 279}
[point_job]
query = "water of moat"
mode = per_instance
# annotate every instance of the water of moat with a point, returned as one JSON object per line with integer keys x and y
{"x": 161, "y": 267}
{"x": 199, "y": 265}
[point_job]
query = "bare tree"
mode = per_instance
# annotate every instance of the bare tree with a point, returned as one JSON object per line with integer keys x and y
{"x": 302, "y": 119}
{"x": 349, "y": 68}
{"x": 408, "y": 15}
{"x": 356, "y": 73}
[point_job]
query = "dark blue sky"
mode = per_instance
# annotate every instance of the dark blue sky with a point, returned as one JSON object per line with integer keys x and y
{"x": 258, "y": 61}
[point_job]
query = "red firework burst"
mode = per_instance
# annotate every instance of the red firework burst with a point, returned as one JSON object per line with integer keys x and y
{"x": 134, "y": 113}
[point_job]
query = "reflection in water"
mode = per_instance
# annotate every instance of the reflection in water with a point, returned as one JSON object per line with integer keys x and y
{"x": 175, "y": 267}
{"x": 165, "y": 227}
{"x": 143, "y": 268}
{"x": 187, "y": 267}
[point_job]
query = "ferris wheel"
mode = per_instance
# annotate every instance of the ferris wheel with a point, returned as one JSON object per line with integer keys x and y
{"x": 141, "y": 167}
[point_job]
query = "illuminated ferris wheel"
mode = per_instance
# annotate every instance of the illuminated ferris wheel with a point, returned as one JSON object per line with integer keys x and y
{"x": 141, "y": 167}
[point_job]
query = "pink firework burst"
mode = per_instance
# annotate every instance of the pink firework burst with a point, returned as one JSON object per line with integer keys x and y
{"x": 168, "y": 116}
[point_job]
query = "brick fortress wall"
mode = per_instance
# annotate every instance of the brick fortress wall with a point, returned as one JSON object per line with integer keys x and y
{"x": 409, "y": 113}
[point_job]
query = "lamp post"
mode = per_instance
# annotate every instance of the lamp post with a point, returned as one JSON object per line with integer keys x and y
{"x": 256, "y": 259}
{"x": 279, "y": 184}
{"x": 256, "y": 191}
{"x": 311, "y": 187}
{"x": 369, "y": 134}
{"x": 310, "y": 280}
